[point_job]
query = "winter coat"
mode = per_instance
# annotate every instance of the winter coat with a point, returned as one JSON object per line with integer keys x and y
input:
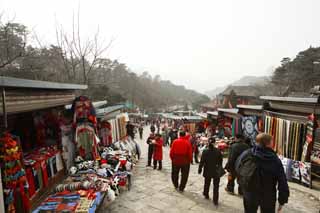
{"x": 181, "y": 151}
{"x": 235, "y": 151}
{"x": 271, "y": 175}
{"x": 211, "y": 161}
{"x": 152, "y": 128}
{"x": 157, "y": 149}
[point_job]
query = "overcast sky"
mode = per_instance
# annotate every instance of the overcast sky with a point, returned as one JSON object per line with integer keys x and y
{"x": 199, "y": 44}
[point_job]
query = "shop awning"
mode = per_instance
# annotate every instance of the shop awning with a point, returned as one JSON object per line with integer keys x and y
{"x": 27, "y": 95}
{"x": 254, "y": 110}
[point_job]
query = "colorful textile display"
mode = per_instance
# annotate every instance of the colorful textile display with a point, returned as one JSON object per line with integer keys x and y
{"x": 83, "y": 111}
{"x": 87, "y": 142}
{"x": 15, "y": 185}
{"x": 105, "y": 133}
{"x": 236, "y": 127}
{"x": 289, "y": 136}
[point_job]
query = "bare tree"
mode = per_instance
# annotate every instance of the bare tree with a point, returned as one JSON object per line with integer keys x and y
{"x": 78, "y": 53}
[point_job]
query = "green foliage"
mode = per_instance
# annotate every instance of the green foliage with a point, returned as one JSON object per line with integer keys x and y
{"x": 300, "y": 74}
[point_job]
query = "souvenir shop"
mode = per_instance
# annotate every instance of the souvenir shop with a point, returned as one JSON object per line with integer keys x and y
{"x": 251, "y": 122}
{"x": 52, "y": 158}
{"x": 31, "y": 159}
{"x": 294, "y": 124}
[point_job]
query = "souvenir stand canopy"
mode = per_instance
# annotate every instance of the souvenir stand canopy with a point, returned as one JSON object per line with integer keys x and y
{"x": 30, "y": 111}
{"x": 251, "y": 120}
{"x": 294, "y": 125}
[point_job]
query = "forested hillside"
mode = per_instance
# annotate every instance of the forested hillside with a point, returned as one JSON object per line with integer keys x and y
{"x": 299, "y": 74}
{"x": 74, "y": 61}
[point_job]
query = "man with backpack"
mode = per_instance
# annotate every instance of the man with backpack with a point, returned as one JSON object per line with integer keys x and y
{"x": 260, "y": 171}
{"x": 235, "y": 150}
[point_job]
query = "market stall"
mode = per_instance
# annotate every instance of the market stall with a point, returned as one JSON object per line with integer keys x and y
{"x": 32, "y": 113}
{"x": 229, "y": 122}
{"x": 294, "y": 125}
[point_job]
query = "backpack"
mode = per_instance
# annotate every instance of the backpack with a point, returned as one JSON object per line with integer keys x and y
{"x": 248, "y": 172}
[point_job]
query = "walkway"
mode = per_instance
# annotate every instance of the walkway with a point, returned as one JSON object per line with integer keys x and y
{"x": 152, "y": 191}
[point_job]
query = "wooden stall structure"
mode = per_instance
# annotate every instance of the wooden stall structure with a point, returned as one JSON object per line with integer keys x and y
{"x": 294, "y": 124}
{"x": 22, "y": 104}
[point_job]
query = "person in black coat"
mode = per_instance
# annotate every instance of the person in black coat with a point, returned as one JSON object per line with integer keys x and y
{"x": 150, "y": 147}
{"x": 235, "y": 150}
{"x": 211, "y": 160}
{"x": 271, "y": 175}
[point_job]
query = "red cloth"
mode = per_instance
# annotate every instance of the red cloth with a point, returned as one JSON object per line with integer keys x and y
{"x": 32, "y": 189}
{"x": 44, "y": 173}
{"x": 157, "y": 149}
{"x": 181, "y": 151}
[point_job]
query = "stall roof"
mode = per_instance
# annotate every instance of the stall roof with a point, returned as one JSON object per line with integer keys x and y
{"x": 312, "y": 100}
{"x": 232, "y": 111}
{"x": 24, "y": 83}
{"x": 109, "y": 109}
{"x": 215, "y": 113}
{"x": 253, "y": 107}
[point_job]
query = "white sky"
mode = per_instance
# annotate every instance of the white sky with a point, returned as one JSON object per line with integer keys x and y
{"x": 196, "y": 43}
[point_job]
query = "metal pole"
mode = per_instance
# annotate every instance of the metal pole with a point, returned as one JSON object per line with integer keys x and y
{"x": 4, "y": 109}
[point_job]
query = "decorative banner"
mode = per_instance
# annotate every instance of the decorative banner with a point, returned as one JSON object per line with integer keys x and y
{"x": 250, "y": 128}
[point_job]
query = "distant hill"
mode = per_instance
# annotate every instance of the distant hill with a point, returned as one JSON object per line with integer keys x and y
{"x": 251, "y": 80}
{"x": 244, "y": 81}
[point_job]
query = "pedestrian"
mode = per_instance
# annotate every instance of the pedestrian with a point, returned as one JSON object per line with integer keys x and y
{"x": 130, "y": 130}
{"x": 141, "y": 131}
{"x": 211, "y": 161}
{"x": 173, "y": 134}
{"x": 260, "y": 174}
{"x": 152, "y": 128}
{"x": 164, "y": 136}
{"x": 195, "y": 151}
{"x": 181, "y": 156}
{"x": 157, "y": 152}
{"x": 150, "y": 147}
{"x": 235, "y": 150}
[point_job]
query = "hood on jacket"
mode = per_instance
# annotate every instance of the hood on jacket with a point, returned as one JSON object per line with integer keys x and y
{"x": 263, "y": 153}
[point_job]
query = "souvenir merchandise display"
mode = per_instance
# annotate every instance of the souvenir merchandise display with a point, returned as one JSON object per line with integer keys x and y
{"x": 289, "y": 136}
{"x": 90, "y": 182}
{"x": 118, "y": 127}
{"x": 42, "y": 165}
{"x": 191, "y": 127}
{"x": 15, "y": 185}
{"x": 236, "y": 126}
{"x": 83, "y": 111}
{"x": 85, "y": 122}
{"x": 105, "y": 133}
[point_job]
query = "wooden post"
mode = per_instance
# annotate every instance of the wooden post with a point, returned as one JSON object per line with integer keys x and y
{"x": 4, "y": 109}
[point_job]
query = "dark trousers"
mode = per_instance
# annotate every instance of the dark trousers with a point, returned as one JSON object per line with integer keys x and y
{"x": 141, "y": 134}
{"x": 184, "y": 175}
{"x": 196, "y": 158}
{"x": 150, "y": 154}
{"x": 207, "y": 183}
{"x": 252, "y": 202}
{"x": 155, "y": 162}
{"x": 231, "y": 183}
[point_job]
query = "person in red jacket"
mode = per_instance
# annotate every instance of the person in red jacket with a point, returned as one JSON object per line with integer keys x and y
{"x": 181, "y": 157}
{"x": 157, "y": 152}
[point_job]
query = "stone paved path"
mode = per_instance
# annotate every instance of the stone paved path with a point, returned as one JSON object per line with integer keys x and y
{"x": 152, "y": 191}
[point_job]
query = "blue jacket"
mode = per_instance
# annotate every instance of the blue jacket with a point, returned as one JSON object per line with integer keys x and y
{"x": 272, "y": 176}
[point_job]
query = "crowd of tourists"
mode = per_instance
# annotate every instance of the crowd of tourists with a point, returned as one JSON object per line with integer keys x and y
{"x": 257, "y": 170}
